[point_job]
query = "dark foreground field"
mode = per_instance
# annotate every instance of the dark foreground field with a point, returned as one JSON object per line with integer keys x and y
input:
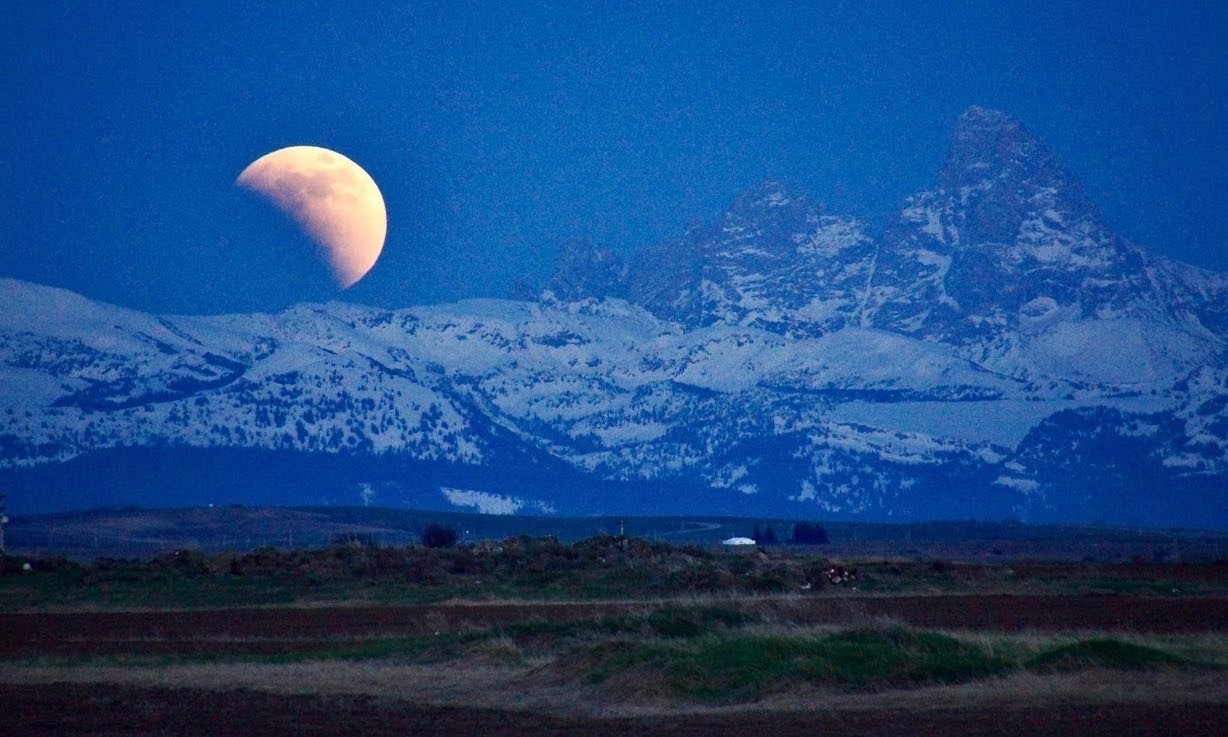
{"x": 609, "y": 636}
{"x": 114, "y": 710}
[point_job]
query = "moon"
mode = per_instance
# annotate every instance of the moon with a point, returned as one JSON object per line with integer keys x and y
{"x": 333, "y": 200}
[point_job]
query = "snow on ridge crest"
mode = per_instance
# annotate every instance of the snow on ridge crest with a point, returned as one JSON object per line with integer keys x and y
{"x": 602, "y": 386}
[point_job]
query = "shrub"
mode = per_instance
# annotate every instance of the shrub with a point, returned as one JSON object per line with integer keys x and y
{"x": 684, "y": 622}
{"x": 185, "y": 562}
{"x": 776, "y": 578}
{"x": 438, "y": 536}
{"x": 732, "y": 666}
{"x": 809, "y": 533}
{"x": 1103, "y": 653}
{"x": 10, "y": 565}
{"x": 356, "y": 539}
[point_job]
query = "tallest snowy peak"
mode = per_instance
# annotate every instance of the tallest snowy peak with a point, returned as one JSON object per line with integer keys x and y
{"x": 983, "y": 117}
{"x": 988, "y": 145}
{"x": 998, "y": 173}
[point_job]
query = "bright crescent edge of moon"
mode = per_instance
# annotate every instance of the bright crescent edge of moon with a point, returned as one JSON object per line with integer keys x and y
{"x": 331, "y": 198}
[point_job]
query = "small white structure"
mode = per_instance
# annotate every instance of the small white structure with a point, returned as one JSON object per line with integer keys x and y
{"x": 738, "y": 541}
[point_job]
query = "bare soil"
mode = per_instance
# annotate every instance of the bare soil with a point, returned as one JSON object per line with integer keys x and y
{"x": 96, "y": 709}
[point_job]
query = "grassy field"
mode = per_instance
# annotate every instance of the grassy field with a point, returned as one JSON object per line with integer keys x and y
{"x": 600, "y": 634}
{"x": 706, "y": 653}
{"x": 647, "y": 667}
{"x": 699, "y": 651}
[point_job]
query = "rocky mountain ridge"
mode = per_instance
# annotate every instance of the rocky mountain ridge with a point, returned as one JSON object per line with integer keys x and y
{"x": 1005, "y": 258}
{"x": 995, "y": 351}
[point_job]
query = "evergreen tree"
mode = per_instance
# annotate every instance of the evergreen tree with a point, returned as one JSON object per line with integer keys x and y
{"x": 438, "y": 536}
{"x": 769, "y": 536}
{"x": 809, "y": 533}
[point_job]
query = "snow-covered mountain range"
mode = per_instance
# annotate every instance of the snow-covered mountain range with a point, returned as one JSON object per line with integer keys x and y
{"x": 992, "y": 351}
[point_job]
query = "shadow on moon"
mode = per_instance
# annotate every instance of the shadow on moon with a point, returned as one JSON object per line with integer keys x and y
{"x": 270, "y": 261}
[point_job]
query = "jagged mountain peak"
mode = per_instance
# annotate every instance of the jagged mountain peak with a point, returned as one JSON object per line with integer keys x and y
{"x": 770, "y": 196}
{"x": 987, "y": 144}
{"x": 583, "y": 271}
{"x": 773, "y": 259}
{"x": 998, "y": 171}
{"x": 1004, "y": 253}
{"x": 984, "y": 116}
{"x": 981, "y": 123}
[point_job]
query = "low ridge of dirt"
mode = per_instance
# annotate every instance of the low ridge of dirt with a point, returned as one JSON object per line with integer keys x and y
{"x": 96, "y": 710}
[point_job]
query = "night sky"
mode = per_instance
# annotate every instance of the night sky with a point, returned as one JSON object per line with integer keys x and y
{"x": 497, "y": 130}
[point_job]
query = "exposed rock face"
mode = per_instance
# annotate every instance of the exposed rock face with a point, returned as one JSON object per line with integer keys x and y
{"x": 1005, "y": 237}
{"x": 1006, "y": 259}
{"x": 584, "y": 271}
{"x": 774, "y": 261}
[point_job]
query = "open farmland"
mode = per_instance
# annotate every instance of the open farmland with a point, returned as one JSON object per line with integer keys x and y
{"x": 609, "y": 635}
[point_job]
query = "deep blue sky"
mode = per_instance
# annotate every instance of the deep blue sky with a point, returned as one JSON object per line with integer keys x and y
{"x": 496, "y": 130}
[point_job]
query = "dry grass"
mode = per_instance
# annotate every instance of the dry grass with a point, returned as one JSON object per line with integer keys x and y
{"x": 545, "y": 664}
{"x": 479, "y": 683}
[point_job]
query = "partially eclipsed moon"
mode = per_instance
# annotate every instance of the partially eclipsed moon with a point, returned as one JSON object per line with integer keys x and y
{"x": 331, "y": 198}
